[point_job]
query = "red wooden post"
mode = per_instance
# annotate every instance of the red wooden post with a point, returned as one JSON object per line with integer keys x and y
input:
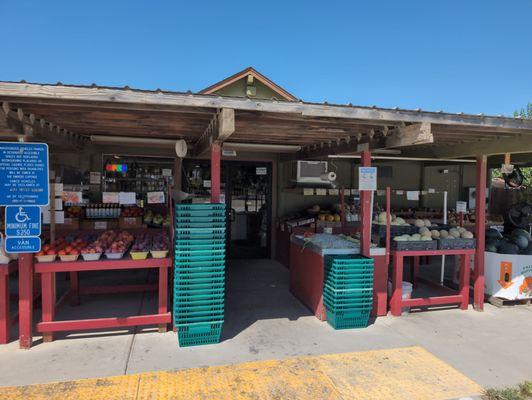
{"x": 480, "y": 233}
{"x": 163, "y": 296}
{"x": 397, "y": 285}
{"x": 25, "y": 300}
{"x": 5, "y": 320}
{"x": 74, "y": 288}
{"x": 215, "y": 172}
{"x": 48, "y": 301}
{"x": 464, "y": 281}
{"x": 365, "y": 210}
{"x": 388, "y": 221}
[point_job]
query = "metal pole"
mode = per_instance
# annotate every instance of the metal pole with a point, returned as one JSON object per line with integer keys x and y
{"x": 445, "y": 223}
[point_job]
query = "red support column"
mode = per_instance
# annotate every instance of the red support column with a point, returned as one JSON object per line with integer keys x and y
{"x": 480, "y": 233}
{"x": 397, "y": 285}
{"x": 74, "y": 288}
{"x": 5, "y": 320}
{"x": 48, "y": 302}
{"x": 365, "y": 210}
{"x": 216, "y": 154}
{"x": 464, "y": 281}
{"x": 25, "y": 301}
{"x": 163, "y": 296}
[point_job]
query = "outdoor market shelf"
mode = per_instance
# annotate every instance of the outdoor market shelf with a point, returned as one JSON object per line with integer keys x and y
{"x": 48, "y": 282}
{"x": 460, "y": 297}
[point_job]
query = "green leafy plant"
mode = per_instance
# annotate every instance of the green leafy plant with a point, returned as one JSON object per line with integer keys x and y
{"x": 522, "y": 392}
{"x": 525, "y": 113}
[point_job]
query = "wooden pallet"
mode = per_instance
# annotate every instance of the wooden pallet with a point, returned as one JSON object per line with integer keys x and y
{"x": 498, "y": 302}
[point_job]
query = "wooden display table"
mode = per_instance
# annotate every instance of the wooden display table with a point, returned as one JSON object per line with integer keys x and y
{"x": 48, "y": 271}
{"x": 460, "y": 297}
{"x": 5, "y": 319}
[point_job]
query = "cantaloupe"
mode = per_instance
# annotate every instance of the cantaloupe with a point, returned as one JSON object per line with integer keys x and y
{"x": 467, "y": 235}
{"x": 435, "y": 234}
{"x": 444, "y": 234}
{"x": 427, "y": 223}
{"x": 419, "y": 223}
{"x": 454, "y": 232}
{"x": 426, "y": 238}
{"x": 423, "y": 230}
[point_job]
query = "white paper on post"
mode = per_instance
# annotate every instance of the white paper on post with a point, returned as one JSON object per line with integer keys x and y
{"x": 155, "y": 197}
{"x": 367, "y": 178}
{"x": 461, "y": 207}
{"x": 110, "y": 197}
{"x": 95, "y": 178}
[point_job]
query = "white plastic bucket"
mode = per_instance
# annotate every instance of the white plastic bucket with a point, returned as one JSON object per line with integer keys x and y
{"x": 407, "y": 294}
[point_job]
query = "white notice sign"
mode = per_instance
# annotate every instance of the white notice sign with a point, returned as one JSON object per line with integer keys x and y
{"x": 127, "y": 198}
{"x": 95, "y": 178}
{"x": 367, "y": 178}
{"x": 260, "y": 171}
{"x": 412, "y": 195}
{"x": 461, "y": 206}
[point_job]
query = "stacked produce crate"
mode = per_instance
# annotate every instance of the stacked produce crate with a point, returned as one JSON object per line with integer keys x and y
{"x": 199, "y": 275}
{"x": 348, "y": 290}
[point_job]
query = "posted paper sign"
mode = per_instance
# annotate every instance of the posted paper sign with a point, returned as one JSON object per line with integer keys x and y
{"x": 321, "y": 192}
{"x": 367, "y": 178}
{"x": 71, "y": 197}
{"x": 155, "y": 197}
{"x": 167, "y": 172}
{"x": 110, "y": 197}
{"x": 260, "y": 171}
{"x": 95, "y": 178}
{"x": 127, "y": 198}
{"x": 461, "y": 206}
{"x": 412, "y": 195}
{"x": 308, "y": 192}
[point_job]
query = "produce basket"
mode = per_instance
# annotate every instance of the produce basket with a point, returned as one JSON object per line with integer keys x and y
{"x": 46, "y": 258}
{"x": 159, "y": 253}
{"x": 395, "y": 230}
{"x": 199, "y": 333}
{"x": 348, "y": 319}
{"x": 458, "y": 243}
{"x": 114, "y": 256}
{"x": 139, "y": 255}
{"x": 414, "y": 245}
{"x": 91, "y": 256}
{"x": 68, "y": 257}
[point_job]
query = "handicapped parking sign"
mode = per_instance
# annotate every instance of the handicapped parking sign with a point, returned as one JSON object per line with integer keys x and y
{"x": 23, "y": 221}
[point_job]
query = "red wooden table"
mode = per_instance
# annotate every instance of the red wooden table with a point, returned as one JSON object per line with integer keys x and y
{"x": 48, "y": 270}
{"x": 5, "y": 319}
{"x": 460, "y": 297}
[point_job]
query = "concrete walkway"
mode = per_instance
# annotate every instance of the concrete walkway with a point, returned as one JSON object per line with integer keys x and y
{"x": 264, "y": 322}
{"x": 396, "y": 374}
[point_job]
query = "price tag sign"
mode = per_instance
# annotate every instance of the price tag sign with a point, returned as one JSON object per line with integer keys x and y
{"x": 260, "y": 171}
{"x": 308, "y": 192}
{"x": 321, "y": 192}
{"x": 461, "y": 207}
{"x": 334, "y": 192}
{"x": 367, "y": 178}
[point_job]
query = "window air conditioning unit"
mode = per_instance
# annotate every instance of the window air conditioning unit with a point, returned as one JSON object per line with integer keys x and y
{"x": 312, "y": 173}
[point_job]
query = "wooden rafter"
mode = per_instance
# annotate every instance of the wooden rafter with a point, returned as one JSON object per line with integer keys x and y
{"x": 221, "y": 126}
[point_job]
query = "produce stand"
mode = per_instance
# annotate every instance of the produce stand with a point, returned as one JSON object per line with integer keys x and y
{"x": 48, "y": 270}
{"x": 307, "y": 275}
{"x": 460, "y": 297}
{"x": 5, "y": 318}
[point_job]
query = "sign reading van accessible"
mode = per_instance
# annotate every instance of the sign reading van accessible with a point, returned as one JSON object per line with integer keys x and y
{"x": 24, "y": 174}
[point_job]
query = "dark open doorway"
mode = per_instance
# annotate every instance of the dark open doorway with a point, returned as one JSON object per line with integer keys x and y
{"x": 246, "y": 188}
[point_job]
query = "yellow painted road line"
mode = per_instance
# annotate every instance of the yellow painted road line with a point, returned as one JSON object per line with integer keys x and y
{"x": 404, "y": 373}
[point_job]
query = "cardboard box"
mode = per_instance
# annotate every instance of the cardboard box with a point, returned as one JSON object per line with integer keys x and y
{"x": 508, "y": 276}
{"x": 130, "y": 222}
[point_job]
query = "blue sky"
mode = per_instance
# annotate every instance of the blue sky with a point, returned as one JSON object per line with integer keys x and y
{"x": 471, "y": 56}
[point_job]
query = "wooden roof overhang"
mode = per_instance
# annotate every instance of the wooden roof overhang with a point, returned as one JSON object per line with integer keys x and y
{"x": 72, "y": 115}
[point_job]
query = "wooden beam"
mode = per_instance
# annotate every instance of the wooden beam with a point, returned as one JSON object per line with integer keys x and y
{"x": 220, "y": 128}
{"x": 410, "y": 135}
{"x": 96, "y": 95}
{"x": 518, "y": 144}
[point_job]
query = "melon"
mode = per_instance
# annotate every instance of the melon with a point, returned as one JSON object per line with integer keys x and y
{"x": 444, "y": 234}
{"x": 399, "y": 221}
{"x": 491, "y": 248}
{"x": 419, "y": 223}
{"x": 528, "y": 250}
{"x": 416, "y": 236}
{"x": 426, "y": 233}
{"x": 454, "y": 232}
{"x": 521, "y": 232}
{"x": 426, "y": 237}
{"x": 467, "y": 235}
{"x": 450, "y": 237}
{"x": 427, "y": 222}
{"x": 520, "y": 241}
{"x": 462, "y": 230}
{"x": 423, "y": 229}
{"x": 400, "y": 239}
{"x": 382, "y": 217}
{"x": 492, "y": 233}
{"x": 435, "y": 234}
{"x": 508, "y": 248}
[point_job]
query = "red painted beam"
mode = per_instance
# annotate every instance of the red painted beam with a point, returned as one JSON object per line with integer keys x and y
{"x": 102, "y": 323}
{"x": 432, "y": 301}
{"x": 25, "y": 301}
{"x": 413, "y": 253}
{"x": 102, "y": 265}
{"x": 216, "y": 155}
{"x": 480, "y": 233}
{"x": 111, "y": 289}
{"x": 365, "y": 210}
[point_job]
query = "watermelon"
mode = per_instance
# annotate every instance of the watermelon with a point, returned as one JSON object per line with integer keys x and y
{"x": 492, "y": 233}
{"x": 521, "y": 241}
{"x": 528, "y": 250}
{"x": 491, "y": 248}
{"x": 508, "y": 248}
{"x": 521, "y": 232}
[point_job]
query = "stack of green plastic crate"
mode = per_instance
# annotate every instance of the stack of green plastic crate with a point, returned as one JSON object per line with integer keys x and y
{"x": 199, "y": 273}
{"x": 348, "y": 290}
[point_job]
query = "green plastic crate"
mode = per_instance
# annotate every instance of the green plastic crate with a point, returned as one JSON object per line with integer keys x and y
{"x": 181, "y": 319}
{"x": 198, "y": 311}
{"x": 348, "y": 319}
{"x": 360, "y": 304}
{"x": 199, "y": 333}
{"x": 190, "y": 252}
{"x": 200, "y": 206}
